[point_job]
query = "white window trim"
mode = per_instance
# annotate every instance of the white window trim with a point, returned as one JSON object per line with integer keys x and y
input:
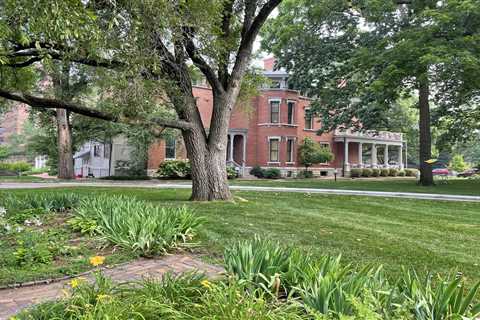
{"x": 293, "y": 111}
{"x": 311, "y": 119}
{"x": 279, "y": 139}
{"x": 174, "y": 150}
{"x": 279, "y": 100}
{"x": 292, "y": 151}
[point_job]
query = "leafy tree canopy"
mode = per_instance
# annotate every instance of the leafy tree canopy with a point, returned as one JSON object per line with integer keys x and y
{"x": 361, "y": 56}
{"x": 310, "y": 153}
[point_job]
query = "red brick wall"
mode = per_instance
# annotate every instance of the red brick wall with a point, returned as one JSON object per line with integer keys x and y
{"x": 256, "y": 118}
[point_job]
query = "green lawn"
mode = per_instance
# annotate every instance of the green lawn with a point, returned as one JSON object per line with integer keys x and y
{"x": 20, "y": 179}
{"x": 453, "y": 186}
{"x": 429, "y": 235}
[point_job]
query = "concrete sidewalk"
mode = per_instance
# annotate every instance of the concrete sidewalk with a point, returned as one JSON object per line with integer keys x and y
{"x": 186, "y": 185}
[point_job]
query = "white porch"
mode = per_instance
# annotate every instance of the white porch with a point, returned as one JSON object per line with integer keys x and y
{"x": 237, "y": 149}
{"x": 371, "y": 149}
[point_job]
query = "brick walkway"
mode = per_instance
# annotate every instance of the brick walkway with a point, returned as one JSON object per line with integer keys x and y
{"x": 14, "y": 300}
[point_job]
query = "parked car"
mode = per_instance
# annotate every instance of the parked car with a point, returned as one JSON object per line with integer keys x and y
{"x": 469, "y": 173}
{"x": 440, "y": 171}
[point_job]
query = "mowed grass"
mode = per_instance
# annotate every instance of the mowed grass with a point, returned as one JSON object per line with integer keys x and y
{"x": 20, "y": 179}
{"x": 434, "y": 236}
{"x": 452, "y": 186}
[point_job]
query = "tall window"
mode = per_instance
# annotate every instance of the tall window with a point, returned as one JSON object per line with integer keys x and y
{"x": 274, "y": 111}
{"x": 290, "y": 111}
{"x": 274, "y": 150}
{"x": 308, "y": 120}
{"x": 97, "y": 150}
{"x": 325, "y": 145}
{"x": 170, "y": 145}
{"x": 290, "y": 150}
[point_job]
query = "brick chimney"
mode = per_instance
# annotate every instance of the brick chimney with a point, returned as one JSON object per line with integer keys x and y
{"x": 269, "y": 64}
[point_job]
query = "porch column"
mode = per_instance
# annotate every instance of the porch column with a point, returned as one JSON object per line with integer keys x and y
{"x": 360, "y": 154}
{"x": 374, "y": 155}
{"x": 244, "y": 155}
{"x": 400, "y": 157}
{"x": 345, "y": 153}
{"x": 385, "y": 156}
{"x": 230, "y": 156}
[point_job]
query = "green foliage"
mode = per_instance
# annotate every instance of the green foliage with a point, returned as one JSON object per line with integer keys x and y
{"x": 458, "y": 163}
{"x": 356, "y": 172}
{"x": 231, "y": 173}
{"x": 16, "y": 166}
{"x": 272, "y": 173}
{"x": 305, "y": 174}
{"x": 126, "y": 178}
{"x": 392, "y": 172}
{"x": 175, "y": 169}
{"x": 411, "y": 172}
{"x": 135, "y": 225}
{"x": 376, "y": 172}
{"x": 44, "y": 201}
{"x": 336, "y": 290}
{"x": 367, "y": 172}
{"x": 401, "y": 173}
{"x": 384, "y": 172}
{"x": 257, "y": 171}
{"x": 4, "y": 151}
{"x": 311, "y": 153}
{"x": 182, "y": 297}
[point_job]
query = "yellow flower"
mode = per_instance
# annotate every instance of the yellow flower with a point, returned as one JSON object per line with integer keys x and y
{"x": 74, "y": 283}
{"x": 97, "y": 260}
{"x": 431, "y": 161}
{"x": 207, "y": 284}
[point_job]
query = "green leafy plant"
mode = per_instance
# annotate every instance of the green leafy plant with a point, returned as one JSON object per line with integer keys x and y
{"x": 43, "y": 201}
{"x": 442, "y": 299}
{"x": 384, "y": 172}
{"x": 376, "y": 172}
{"x": 305, "y": 174}
{"x": 356, "y": 172}
{"x": 257, "y": 172}
{"x": 411, "y": 172}
{"x": 401, "y": 173}
{"x": 311, "y": 153}
{"x": 392, "y": 172}
{"x": 141, "y": 227}
{"x": 367, "y": 172}
{"x": 175, "y": 169}
{"x": 272, "y": 173}
{"x": 231, "y": 172}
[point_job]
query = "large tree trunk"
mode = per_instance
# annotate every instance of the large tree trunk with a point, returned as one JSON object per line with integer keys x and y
{"x": 64, "y": 139}
{"x": 426, "y": 176}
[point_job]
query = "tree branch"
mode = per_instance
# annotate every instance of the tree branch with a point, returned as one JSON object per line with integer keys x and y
{"x": 201, "y": 63}
{"x": 248, "y": 37}
{"x": 48, "y": 103}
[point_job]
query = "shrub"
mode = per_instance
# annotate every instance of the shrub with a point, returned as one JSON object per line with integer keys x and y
{"x": 384, "y": 172}
{"x": 411, "y": 172}
{"x": 401, "y": 173}
{"x": 272, "y": 173}
{"x": 232, "y": 172}
{"x": 367, "y": 172}
{"x": 305, "y": 174}
{"x": 20, "y": 166}
{"x": 175, "y": 169}
{"x": 120, "y": 178}
{"x": 356, "y": 173}
{"x": 375, "y": 172}
{"x": 392, "y": 172}
{"x": 135, "y": 225}
{"x": 257, "y": 171}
